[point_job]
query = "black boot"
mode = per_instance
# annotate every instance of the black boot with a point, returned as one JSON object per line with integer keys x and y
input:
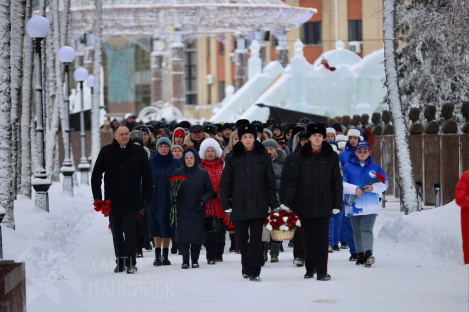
{"x": 185, "y": 255}
{"x": 157, "y": 261}
{"x": 360, "y": 258}
{"x": 233, "y": 244}
{"x": 174, "y": 247}
{"x": 165, "y": 257}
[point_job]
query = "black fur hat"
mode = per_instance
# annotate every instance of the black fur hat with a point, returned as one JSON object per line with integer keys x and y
{"x": 313, "y": 128}
{"x": 247, "y": 128}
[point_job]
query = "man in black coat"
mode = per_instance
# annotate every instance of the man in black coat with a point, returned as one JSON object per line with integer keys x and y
{"x": 315, "y": 193}
{"x": 128, "y": 184}
{"x": 247, "y": 190}
{"x": 298, "y": 239}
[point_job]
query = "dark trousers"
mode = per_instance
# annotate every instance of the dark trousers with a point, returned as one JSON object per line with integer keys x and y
{"x": 123, "y": 225}
{"x": 251, "y": 253}
{"x": 193, "y": 253}
{"x": 215, "y": 242}
{"x": 299, "y": 244}
{"x": 316, "y": 238}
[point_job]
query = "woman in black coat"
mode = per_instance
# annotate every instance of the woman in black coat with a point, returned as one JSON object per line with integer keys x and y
{"x": 193, "y": 195}
{"x": 315, "y": 192}
{"x": 247, "y": 190}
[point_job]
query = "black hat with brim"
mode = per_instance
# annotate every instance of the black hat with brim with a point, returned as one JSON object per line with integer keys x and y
{"x": 196, "y": 128}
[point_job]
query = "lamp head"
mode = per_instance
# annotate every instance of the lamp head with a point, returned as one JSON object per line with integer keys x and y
{"x": 38, "y": 27}
{"x": 66, "y": 54}
{"x": 90, "y": 81}
{"x": 80, "y": 74}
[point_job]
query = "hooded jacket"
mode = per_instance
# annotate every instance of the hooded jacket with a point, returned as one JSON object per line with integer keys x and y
{"x": 196, "y": 191}
{"x": 315, "y": 183}
{"x": 277, "y": 164}
{"x": 247, "y": 183}
{"x": 355, "y": 176}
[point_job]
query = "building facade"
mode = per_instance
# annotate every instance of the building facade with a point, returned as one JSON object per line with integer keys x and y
{"x": 209, "y": 64}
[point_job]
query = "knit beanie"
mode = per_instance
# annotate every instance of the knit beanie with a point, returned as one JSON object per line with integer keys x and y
{"x": 270, "y": 143}
{"x": 163, "y": 140}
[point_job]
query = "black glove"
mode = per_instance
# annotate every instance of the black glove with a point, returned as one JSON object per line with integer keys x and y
{"x": 201, "y": 205}
{"x": 215, "y": 195}
{"x": 145, "y": 205}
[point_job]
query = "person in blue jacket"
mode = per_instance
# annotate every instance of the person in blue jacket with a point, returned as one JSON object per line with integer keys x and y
{"x": 162, "y": 166}
{"x": 362, "y": 191}
{"x": 354, "y": 136}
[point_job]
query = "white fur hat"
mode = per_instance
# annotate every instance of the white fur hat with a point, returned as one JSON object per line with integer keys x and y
{"x": 355, "y": 133}
{"x": 334, "y": 148}
{"x": 210, "y": 143}
{"x": 341, "y": 144}
{"x": 331, "y": 130}
{"x": 341, "y": 138}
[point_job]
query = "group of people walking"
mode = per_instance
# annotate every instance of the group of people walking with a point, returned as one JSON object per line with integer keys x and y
{"x": 239, "y": 173}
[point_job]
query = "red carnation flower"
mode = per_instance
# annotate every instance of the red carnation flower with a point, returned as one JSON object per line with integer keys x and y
{"x": 381, "y": 177}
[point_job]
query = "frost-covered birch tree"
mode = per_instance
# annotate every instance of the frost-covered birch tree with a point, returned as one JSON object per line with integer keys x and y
{"x": 17, "y": 35}
{"x": 26, "y": 109}
{"x": 58, "y": 91}
{"x": 406, "y": 180}
{"x": 95, "y": 132}
{"x": 433, "y": 60}
{"x": 6, "y": 195}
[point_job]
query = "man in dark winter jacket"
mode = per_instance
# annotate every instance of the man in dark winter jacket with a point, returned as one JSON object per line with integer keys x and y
{"x": 126, "y": 168}
{"x": 247, "y": 190}
{"x": 315, "y": 186}
{"x": 298, "y": 244}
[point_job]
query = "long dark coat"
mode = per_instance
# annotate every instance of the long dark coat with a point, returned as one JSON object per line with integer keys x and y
{"x": 160, "y": 205}
{"x": 125, "y": 170}
{"x": 198, "y": 187}
{"x": 247, "y": 183}
{"x": 315, "y": 183}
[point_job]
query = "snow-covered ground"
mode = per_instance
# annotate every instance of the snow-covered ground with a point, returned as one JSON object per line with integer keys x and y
{"x": 70, "y": 260}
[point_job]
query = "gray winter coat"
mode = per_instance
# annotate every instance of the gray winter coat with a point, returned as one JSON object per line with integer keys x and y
{"x": 277, "y": 163}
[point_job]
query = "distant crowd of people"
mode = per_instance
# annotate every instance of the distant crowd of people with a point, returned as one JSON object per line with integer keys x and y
{"x": 239, "y": 172}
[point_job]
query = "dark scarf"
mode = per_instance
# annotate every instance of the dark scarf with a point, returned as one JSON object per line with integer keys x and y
{"x": 163, "y": 161}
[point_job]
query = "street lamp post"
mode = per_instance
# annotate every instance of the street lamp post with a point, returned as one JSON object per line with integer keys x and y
{"x": 38, "y": 28}
{"x": 66, "y": 56}
{"x": 80, "y": 75}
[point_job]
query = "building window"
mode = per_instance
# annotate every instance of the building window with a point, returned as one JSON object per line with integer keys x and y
{"x": 311, "y": 33}
{"x": 142, "y": 78}
{"x": 222, "y": 48}
{"x": 221, "y": 90}
{"x": 355, "y": 31}
{"x": 190, "y": 58}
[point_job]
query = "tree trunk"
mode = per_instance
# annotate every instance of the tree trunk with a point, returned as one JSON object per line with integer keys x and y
{"x": 55, "y": 68}
{"x": 26, "y": 111}
{"x": 406, "y": 180}
{"x": 17, "y": 35}
{"x": 6, "y": 194}
{"x": 95, "y": 109}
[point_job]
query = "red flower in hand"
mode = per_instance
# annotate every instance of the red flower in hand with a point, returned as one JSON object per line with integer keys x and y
{"x": 381, "y": 178}
{"x": 98, "y": 205}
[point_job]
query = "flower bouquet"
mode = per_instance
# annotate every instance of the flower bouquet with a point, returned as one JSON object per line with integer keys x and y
{"x": 104, "y": 207}
{"x": 282, "y": 224}
{"x": 175, "y": 185}
{"x": 228, "y": 223}
{"x": 376, "y": 178}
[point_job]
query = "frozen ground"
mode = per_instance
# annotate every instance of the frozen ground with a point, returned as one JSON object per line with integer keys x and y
{"x": 69, "y": 267}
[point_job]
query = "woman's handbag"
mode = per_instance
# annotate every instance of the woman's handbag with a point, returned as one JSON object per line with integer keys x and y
{"x": 212, "y": 224}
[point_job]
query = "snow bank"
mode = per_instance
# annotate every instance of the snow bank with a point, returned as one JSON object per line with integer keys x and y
{"x": 434, "y": 231}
